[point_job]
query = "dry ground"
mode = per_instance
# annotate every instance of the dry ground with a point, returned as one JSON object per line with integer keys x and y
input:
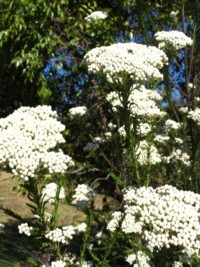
{"x": 12, "y": 200}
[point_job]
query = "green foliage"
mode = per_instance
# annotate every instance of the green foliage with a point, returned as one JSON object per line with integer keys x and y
{"x": 28, "y": 39}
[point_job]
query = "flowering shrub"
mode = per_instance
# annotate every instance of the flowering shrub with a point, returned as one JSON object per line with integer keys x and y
{"x": 139, "y": 148}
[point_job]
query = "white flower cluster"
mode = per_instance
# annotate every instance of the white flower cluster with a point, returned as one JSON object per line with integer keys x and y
{"x": 99, "y": 140}
{"x": 172, "y": 39}
{"x": 147, "y": 154}
{"x": 85, "y": 264}
{"x": 114, "y": 99}
{"x": 139, "y": 62}
{"x": 49, "y": 193}
{"x": 56, "y": 162}
{"x": 141, "y": 102}
{"x": 58, "y": 263}
{"x": 172, "y": 125}
{"x": 122, "y": 131}
{"x": 26, "y": 138}
{"x": 96, "y": 15}
{"x": 83, "y": 196}
{"x": 177, "y": 264}
{"x": 183, "y": 109}
{"x": 163, "y": 217}
{"x": 73, "y": 260}
{"x": 66, "y": 233}
{"x": 160, "y": 138}
{"x": 70, "y": 258}
{"x": 179, "y": 140}
{"x": 179, "y": 155}
{"x": 115, "y": 222}
{"x": 194, "y": 115}
{"x": 143, "y": 129}
{"x": 78, "y": 111}
{"x": 25, "y": 229}
{"x": 140, "y": 257}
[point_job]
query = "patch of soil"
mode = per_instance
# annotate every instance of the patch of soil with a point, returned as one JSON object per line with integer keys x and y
{"x": 12, "y": 200}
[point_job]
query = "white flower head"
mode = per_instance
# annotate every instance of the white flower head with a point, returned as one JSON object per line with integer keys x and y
{"x": 58, "y": 263}
{"x": 142, "y": 152}
{"x": 83, "y": 196}
{"x": 142, "y": 102}
{"x": 85, "y": 264}
{"x": 49, "y": 193}
{"x": 140, "y": 257}
{"x": 139, "y": 62}
{"x": 81, "y": 228}
{"x": 179, "y": 155}
{"x": 77, "y": 111}
{"x": 143, "y": 128}
{"x": 177, "y": 264}
{"x": 172, "y": 125}
{"x": 183, "y": 109}
{"x": 160, "y": 138}
{"x": 24, "y": 228}
{"x": 114, "y": 223}
{"x": 96, "y": 16}
{"x": 172, "y": 39}
{"x": 27, "y": 138}
{"x": 99, "y": 140}
{"x": 194, "y": 115}
{"x": 167, "y": 217}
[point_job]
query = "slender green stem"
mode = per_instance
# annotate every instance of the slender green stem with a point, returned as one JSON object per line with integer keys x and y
{"x": 168, "y": 90}
{"x": 86, "y": 236}
{"x": 108, "y": 250}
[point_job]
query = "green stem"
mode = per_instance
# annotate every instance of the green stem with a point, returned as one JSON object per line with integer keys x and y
{"x": 54, "y": 220}
{"x": 126, "y": 113}
{"x": 108, "y": 251}
{"x": 135, "y": 162}
{"x": 169, "y": 91}
{"x": 86, "y": 237}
